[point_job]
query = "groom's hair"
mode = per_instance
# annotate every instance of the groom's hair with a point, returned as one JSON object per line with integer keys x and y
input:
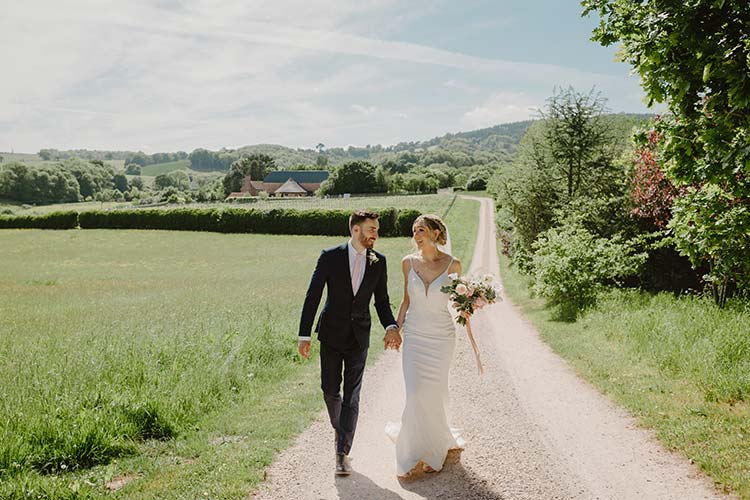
{"x": 359, "y": 216}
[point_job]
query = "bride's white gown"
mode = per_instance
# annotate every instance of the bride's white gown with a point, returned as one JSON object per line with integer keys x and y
{"x": 429, "y": 338}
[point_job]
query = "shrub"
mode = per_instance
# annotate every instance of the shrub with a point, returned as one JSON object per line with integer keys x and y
{"x": 53, "y": 220}
{"x": 570, "y": 265}
{"x": 232, "y": 220}
{"x": 405, "y": 221}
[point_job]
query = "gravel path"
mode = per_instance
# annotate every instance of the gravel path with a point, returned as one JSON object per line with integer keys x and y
{"x": 533, "y": 429}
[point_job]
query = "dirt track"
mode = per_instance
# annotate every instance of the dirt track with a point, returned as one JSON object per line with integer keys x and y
{"x": 533, "y": 429}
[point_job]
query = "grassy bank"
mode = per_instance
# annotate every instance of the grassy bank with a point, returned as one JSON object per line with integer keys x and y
{"x": 680, "y": 365}
{"x": 165, "y": 359}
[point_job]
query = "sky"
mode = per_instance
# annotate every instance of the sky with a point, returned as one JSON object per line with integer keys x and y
{"x": 171, "y": 75}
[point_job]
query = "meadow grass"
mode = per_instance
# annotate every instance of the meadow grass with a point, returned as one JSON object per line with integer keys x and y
{"x": 434, "y": 203}
{"x": 426, "y": 203}
{"x": 168, "y": 358}
{"x": 679, "y": 364}
{"x": 164, "y": 168}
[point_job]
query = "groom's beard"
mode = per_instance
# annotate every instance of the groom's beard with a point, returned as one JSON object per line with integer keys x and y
{"x": 367, "y": 242}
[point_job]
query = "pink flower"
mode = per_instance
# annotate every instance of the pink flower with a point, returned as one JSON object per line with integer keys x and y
{"x": 480, "y": 303}
{"x": 461, "y": 289}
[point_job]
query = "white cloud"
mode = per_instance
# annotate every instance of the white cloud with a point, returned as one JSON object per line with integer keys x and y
{"x": 502, "y": 107}
{"x": 364, "y": 110}
{"x": 170, "y": 74}
{"x": 461, "y": 86}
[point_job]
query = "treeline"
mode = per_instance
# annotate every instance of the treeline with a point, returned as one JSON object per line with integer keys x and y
{"x": 51, "y": 154}
{"x": 581, "y": 209}
{"x": 363, "y": 177}
{"x": 668, "y": 211}
{"x": 68, "y": 181}
{"x": 143, "y": 159}
{"x": 568, "y": 208}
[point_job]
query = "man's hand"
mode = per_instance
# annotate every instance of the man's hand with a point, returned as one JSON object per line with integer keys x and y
{"x": 304, "y": 348}
{"x": 392, "y": 339}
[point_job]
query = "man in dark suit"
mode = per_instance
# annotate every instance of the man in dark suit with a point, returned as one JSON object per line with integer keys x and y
{"x": 353, "y": 273}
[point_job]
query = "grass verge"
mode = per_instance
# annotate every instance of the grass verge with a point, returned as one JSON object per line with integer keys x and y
{"x": 678, "y": 364}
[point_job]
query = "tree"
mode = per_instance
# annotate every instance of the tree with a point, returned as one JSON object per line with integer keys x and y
{"x": 136, "y": 182}
{"x": 695, "y": 57}
{"x": 355, "y": 177}
{"x": 651, "y": 192}
{"x": 566, "y": 163}
{"x": 257, "y": 166}
{"x": 37, "y": 184}
{"x": 178, "y": 179}
{"x": 478, "y": 181}
{"x": 204, "y": 160}
{"x": 120, "y": 182}
{"x": 92, "y": 177}
{"x": 579, "y": 139}
{"x": 133, "y": 169}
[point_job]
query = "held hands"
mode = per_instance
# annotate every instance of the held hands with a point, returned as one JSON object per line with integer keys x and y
{"x": 304, "y": 348}
{"x": 392, "y": 338}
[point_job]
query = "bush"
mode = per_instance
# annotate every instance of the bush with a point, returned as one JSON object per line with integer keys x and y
{"x": 570, "y": 265}
{"x": 477, "y": 182}
{"x": 54, "y": 220}
{"x": 233, "y": 220}
{"x": 405, "y": 221}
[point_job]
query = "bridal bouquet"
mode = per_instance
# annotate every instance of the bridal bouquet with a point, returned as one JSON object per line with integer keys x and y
{"x": 469, "y": 295}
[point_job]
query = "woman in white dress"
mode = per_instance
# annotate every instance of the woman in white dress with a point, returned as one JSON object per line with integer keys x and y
{"x": 424, "y": 437}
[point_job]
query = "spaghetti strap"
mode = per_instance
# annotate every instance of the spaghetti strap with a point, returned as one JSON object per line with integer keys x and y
{"x": 449, "y": 266}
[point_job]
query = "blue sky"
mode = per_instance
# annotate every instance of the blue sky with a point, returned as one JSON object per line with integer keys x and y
{"x": 167, "y": 75}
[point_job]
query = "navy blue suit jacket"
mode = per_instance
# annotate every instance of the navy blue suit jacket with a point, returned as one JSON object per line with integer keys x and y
{"x": 345, "y": 316}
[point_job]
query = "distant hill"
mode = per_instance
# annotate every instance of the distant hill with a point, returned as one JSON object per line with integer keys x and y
{"x": 495, "y": 144}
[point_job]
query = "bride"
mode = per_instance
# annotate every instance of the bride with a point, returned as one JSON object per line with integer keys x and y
{"x": 424, "y": 437}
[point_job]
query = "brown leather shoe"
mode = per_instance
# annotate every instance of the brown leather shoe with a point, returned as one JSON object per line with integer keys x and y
{"x": 343, "y": 465}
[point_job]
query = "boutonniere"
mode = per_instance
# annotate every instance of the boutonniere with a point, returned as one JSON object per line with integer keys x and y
{"x": 372, "y": 257}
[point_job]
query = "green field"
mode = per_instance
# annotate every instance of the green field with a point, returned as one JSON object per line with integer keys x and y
{"x": 164, "y": 168}
{"x": 29, "y": 158}
{"x": 167, "y": 358}
{"x": 434, "y": 203}
{"x": 679, "y": 364}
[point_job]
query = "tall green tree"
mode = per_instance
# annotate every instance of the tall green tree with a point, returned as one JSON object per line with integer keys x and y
{"x": 567, "y": 161}
{"x": 257, "y": 166}
{"x": 356, "y": 177}
{"x": 695, "y": 57}
{"x": 579, "y": 139}
{"x": 120, "y": 182}
{"x": 92, "y": 176}
{"x": 178, "y": 179}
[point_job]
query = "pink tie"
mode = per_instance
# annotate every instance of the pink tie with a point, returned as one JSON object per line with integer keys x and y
{"x": 359, "y": 265}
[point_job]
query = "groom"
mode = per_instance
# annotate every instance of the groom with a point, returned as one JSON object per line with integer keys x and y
{"x": 353, "y": 273}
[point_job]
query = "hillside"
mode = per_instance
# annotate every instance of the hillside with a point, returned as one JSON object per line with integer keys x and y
{"x": 496, "y": 144}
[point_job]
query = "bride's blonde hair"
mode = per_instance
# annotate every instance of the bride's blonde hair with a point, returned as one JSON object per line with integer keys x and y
{"x": 432, "y": 222}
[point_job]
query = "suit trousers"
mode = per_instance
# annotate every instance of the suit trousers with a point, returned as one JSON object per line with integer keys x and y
{"x": 343, "y": 412}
